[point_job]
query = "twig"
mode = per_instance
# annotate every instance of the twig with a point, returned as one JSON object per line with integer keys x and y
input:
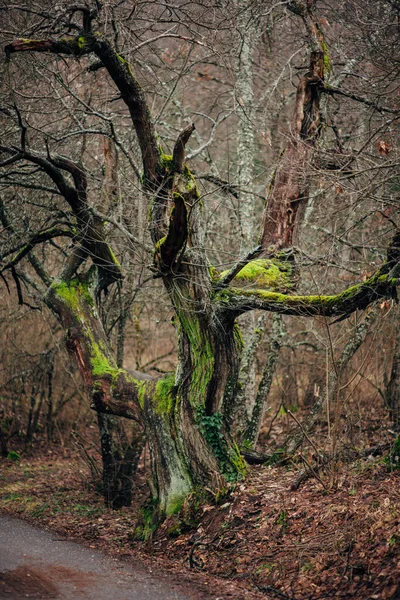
{"x": 331, "y": 91}
{"x": 306, "y": 474}
{"x": 289, "y": 412}
{"x": 313, "y": 471}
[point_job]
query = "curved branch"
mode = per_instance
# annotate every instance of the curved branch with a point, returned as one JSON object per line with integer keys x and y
{"x": 121, "y": 73}
{"x": 333, "y": 90}
{"x": 50, "y": 169}
{"x": 134, "y": 97}
{"x": 235, "y": 301}
{"x": 91, "y": 227}
{"x": 37, "y": 238}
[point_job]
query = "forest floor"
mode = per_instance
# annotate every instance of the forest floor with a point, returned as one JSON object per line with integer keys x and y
{"x": 337, "y": 536}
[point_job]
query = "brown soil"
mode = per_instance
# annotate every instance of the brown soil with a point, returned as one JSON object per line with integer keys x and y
{"x": 334, "y": 538}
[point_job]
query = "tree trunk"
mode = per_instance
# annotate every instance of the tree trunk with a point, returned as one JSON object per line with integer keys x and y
{"x": 393, "y": 386}
{"x": 3, "y": 444}
{"x": 182, "y": 413}
{"x": 257, "y": 415}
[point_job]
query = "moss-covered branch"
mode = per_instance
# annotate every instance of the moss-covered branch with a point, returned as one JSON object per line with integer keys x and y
{"x": 113, "y": 390}
{"x": 228, "y": 276}
{"x": 70, "y": 45}
{"x": 357, "y": 297}
{"x": 273, "y": 274}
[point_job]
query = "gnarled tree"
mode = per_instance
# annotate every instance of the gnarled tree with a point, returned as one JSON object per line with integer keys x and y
{"x": 186, "y": 415}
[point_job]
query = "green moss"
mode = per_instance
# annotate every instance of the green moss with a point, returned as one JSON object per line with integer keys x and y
{"x": 174, "y": 506}
{"x": 81, "y": 42}
{"x": 190, "y": 180}
{"x": 238, "y": 461}
{"x": 29, "y": 41}
{"x": 327, "y": 59}
{"x": 159, "y": 243}
{"x": 183, "y": 183}
{"x": 114, "y": 258}
{"x": 126, "y": 64}
{"x": 141, "y": 388}
{"x": 70, "y": 293}
{"x": 265, "y": 273}
{"x": 306, "y": 301}
{"x": 101, "y": 365}
{"x": 121, "y": 59}
{"x": 214, "y": 273}
{"x": 202, "y": 357}
{"x": 164, "y": 397}
{"x": 167, "y": 162}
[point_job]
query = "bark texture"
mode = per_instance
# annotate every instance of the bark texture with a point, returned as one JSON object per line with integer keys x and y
{"x": 290, "y": 187}
{"x": 393, "y": 386}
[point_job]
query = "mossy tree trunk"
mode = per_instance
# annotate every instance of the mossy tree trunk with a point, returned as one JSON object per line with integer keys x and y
{"x": 186, "y": 415}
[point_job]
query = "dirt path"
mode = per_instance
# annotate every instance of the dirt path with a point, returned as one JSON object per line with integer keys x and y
{"x": 42, "y": 565}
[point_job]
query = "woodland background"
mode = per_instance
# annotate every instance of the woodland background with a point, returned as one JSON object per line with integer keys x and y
{"x": 232, "y": 68}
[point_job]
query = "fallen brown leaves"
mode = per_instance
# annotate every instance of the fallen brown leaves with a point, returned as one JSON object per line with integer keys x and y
{"x": 265, "y": 541}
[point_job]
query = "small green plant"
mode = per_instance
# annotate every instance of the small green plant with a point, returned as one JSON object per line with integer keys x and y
{"x": 265, "y": 568}
{"x": 146, "y": 523}
{"x": 275, "y": 458}
{"x": 307, "y": 567}
{"x": 37, "y": 512}
{"x": 85, "y": 510}
{"x": 247, "y": 445}
{"x": 392, "y": 460}
{"x": 283, "y": 519}
{"x": 14, "y": 456}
